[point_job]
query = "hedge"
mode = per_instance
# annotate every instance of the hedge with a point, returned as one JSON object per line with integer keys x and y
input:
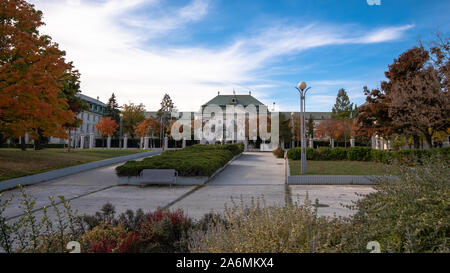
{"x": 196, "y": 160}
{"x": 366, "y": 154}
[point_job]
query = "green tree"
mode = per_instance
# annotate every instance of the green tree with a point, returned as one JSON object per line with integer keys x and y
{"x": 343, "y": 108}
{"x": 112, "y": 109}
{"x": 285, "y": 129}
{"x": 70, "y": 89}
{"x": 133, "y": 114}
{"x": 164, "y": 113}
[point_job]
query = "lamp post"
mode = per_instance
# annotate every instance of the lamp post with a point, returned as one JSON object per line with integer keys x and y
{"x": 120, "y": 130}
{"x": 293, "y": 130}
{"x": 301, "y": 87}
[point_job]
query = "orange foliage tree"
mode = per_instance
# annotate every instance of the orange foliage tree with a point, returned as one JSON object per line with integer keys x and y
{"x": 329, "y": 128}
{"x": 30, "y": 67}
{"x": 148, "y": 127}
{"x": 107, "y": 127}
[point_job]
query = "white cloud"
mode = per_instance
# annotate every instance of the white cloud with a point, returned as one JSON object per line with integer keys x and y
{"x": 107, "y": 42}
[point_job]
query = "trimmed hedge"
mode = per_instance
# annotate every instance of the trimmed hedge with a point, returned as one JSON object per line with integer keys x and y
{"x": 196, "y": 160}
{"x": 366, "y": 154}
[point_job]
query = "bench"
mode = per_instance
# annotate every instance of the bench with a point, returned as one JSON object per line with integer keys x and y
{"x": 156, "y": 176}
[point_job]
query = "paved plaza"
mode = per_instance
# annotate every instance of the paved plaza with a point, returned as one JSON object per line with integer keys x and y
{"x": 251, "y": 176}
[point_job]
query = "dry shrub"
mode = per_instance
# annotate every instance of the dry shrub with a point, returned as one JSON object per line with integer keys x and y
{"x": 258, "y": 228}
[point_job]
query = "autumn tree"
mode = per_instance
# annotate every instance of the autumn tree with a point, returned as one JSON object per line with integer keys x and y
{"x": 420, "y": 102}
{"x": 148, "y": 127}
{"x": 329, "y": 128}
{"x": 31, "y": 65}
{"x": 133, "y": 114}
{"x": 310, "y": 127}
{"x": 373, "y": 116}
{"x": 106, "y": 126}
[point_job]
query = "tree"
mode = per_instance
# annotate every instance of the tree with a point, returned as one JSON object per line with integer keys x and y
{"x": 133, "y": 114}
{"x": 70, "y": 89}
{"x": 342, "y": 109}
{"x": 420, "y": 102}
{"x": 310, "y": 127}
{"x": 373, "y": 116}
{"x": 148, "y": 127}
{"x": 106, "y": 126}
{"x": 112, "y": 109}
{"x": 285, "y": 129}
{"x": 164, "y": 113}
{"x": 329, "y": 128}
{"x": 30, "y": 67}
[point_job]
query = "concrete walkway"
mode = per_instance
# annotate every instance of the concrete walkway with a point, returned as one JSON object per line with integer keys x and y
{"x": 253, "y": 175}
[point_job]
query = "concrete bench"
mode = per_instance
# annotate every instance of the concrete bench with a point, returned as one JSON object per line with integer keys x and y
{"x": 156, "y": 176}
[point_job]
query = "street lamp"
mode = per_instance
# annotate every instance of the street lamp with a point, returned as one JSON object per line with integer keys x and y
{"x": 293, "y": 130}
{"x": 120, "y": 130}
{"x": 301, "y": 87}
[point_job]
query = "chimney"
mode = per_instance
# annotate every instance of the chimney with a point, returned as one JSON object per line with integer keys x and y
{"x": 250, "y": 93}
{"x": 98, "y": 98}
{"x": 218, "y": 93}
{"x": 234, "y": 92}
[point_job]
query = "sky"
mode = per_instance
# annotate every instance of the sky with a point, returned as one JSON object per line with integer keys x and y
{"x": 193, "y": 49}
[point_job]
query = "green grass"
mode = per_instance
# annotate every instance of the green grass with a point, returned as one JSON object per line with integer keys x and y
{"x": 342, "y": 167}
{"x": 16, "y": 163}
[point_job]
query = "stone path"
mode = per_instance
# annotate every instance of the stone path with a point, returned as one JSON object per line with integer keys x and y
{"x": 251, "y": 176}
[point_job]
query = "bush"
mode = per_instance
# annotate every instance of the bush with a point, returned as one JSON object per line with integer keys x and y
{"x": 369, "y": 154}
{"x": 409, "y": 216}
{"x": 359, "y": 154}
{"x": 258, "y": 228}
{"x": 278, "y": 152}
{"x": 196, "y": 160}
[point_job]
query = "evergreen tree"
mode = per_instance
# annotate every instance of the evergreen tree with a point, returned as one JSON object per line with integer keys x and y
{"x": 343, "y": 108}
{"x": 164, "y": 113}
{"x": 112, "y": 109}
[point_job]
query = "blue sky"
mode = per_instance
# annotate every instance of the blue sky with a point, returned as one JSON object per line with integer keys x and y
{"x": 141, "y": 49}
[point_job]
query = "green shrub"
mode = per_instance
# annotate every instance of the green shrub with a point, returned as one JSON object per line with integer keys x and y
{"x": 359, "y": 154}
{"x": 411, "y": 215}
{"x": 196, "y": 160}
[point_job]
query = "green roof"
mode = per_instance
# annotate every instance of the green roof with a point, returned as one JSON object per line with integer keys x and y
{"x": 244, "y": 100}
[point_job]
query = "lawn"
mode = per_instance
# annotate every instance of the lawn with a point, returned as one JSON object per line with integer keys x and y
{"x": 342, "y": 167}
{"x": 16, "y": 163}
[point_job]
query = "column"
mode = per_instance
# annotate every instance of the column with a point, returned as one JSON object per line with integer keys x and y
{"x": 245, "y": 144}
{"x": 183, "y": 144}
{"x": 125, "y": 142}
{"x": 91, "y": 141}
{"x": 166, "y": 142}
{"x": 81, "y": 141}
{"x": 311, "y": 142}
{"x": 146, "y": 143}
{"x": 332, "y": 143}
{"x": 352, "y": 142}
{"x": 141, "y": 145}
{"x": 108, "y": 142}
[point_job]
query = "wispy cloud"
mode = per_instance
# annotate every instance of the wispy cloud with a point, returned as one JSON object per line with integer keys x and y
{"x": 106, "y": 41}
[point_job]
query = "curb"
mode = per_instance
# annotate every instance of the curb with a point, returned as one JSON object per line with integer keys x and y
{"x": 46, "y": 176}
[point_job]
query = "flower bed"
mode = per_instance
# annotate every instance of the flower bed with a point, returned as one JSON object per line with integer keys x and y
{"x": 197, "y": 160}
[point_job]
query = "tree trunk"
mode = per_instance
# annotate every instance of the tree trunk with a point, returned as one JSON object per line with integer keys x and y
{"x": 416, "y": 142}
{"x": 70, "y": 143}
{"x": 428, "y": 138}
{"x": 23, "y": 145}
